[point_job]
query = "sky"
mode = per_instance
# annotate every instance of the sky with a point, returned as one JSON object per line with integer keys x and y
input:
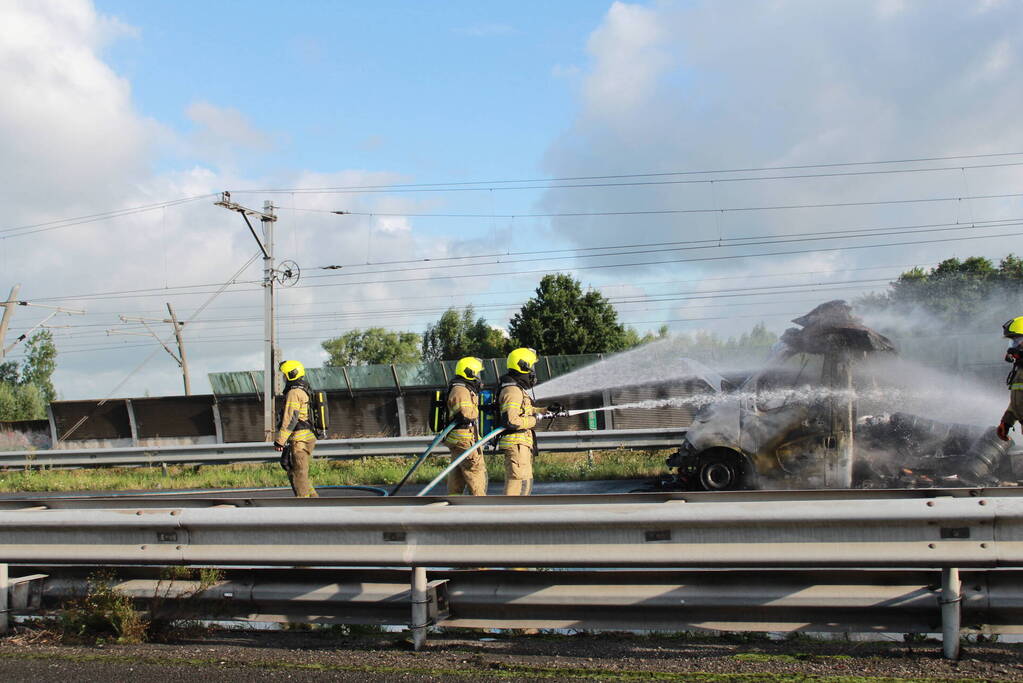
{"x": 705, "y": 165}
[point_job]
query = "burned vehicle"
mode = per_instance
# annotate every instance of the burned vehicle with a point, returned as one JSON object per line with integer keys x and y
{"x": 814, "y": 417}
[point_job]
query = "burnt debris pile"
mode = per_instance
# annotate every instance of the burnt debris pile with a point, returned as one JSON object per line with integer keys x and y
{"x": 903, "y": 450}
{"x": 831, "y": 327}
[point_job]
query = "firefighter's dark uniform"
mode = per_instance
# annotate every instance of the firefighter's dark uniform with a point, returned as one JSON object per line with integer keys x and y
{"x": 463, "y": 407}
{"x": 295, "y": 432}
{"x": 518, "y": 443}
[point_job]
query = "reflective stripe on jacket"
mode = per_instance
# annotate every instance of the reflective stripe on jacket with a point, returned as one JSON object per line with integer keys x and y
{"x": 517, "y": 415}
{"x": 295, "y": 418}
{"x": 463, "y": 405}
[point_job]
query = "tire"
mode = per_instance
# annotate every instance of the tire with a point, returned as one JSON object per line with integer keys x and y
{"x": 720, "y": 472}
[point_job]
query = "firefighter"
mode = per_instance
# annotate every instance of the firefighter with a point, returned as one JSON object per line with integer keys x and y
{"x": 295, "y": 438}
{"x": 463, "y": 407}
{"x": 518, "y": 417}
{"x": 1013, "y": 329}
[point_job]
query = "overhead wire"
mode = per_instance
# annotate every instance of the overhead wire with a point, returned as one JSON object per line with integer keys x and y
{"x": 655, "y": 283}
{"x": 712, "y": 243}
{"x": 377, "y": 314}
{"x": 590, "y": 267}
{"x": 837, "y": 233}
{"x": 670, "y": 261}
{"x": 45, "y": 226}
{"x": 656, "y": 212}
{"x": 115, "y": 213}
{"x": 646, "y": 175}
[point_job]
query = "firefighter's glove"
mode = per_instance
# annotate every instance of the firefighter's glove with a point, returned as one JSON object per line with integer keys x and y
{"x": 286, "y": 463}
{"x": 556, "y": 409}
{"x": 278, "y": 447}
{"x": 1003, "y": 431}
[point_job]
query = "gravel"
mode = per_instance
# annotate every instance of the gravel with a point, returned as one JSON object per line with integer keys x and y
{"x": 247, "y": 656}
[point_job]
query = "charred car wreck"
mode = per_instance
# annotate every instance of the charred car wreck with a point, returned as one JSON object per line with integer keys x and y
{"x": 806, "y": 420}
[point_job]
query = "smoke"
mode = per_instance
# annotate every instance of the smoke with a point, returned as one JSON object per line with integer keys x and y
{"x": 903, "y": 385}
{"x": 958, "y": 350}
{"x": 664, "y": 360}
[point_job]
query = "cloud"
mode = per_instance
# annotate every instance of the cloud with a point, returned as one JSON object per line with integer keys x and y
{"x": 66, "y": 119}
{"x": 221, "y": 132}
{"x": 73, "y": 143}
{"x": 679, "y": 86}
{"x": 629, "y": 55}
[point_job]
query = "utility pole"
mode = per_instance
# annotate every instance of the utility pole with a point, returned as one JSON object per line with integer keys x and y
{"x": 266, "y": 245}
{"x": 6, "y": 319}
{"x": 180, "y": 358}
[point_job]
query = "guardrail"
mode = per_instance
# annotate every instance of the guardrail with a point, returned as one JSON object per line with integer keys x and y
{"x": 884, "y": 530}
{"x": 335, "y": 449}
{"x": 864, "y": 532}
{"x": 842, "y": 601}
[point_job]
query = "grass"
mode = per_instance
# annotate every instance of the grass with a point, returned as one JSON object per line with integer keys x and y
{"x": 616, "y": 464}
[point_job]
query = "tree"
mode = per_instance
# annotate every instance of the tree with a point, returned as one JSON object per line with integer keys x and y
{"x": 26, "y": 391}
{"x": 373, "y": 346}
{"x": 9, "y": 372}
{"x": 956, "y": 291}
{"x": 456, "y": 335}
{"x": 632, "y": 337}
{"x": 21, "y": 402}
{"x": 562, "y": 319}
{"x": 40, "y": 363}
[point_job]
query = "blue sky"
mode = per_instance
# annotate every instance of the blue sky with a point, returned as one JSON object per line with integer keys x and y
{"x": 444, "y": 91}
{"x": 114, "y": 104}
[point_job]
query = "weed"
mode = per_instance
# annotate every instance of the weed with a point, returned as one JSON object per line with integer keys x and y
{"x": 103, "y": 612}
{"x": 172, "y": 607}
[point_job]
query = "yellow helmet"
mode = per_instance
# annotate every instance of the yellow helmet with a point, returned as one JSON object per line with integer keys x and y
{"x": 1013, "y": 328}
{"x": 469, "y": 368}
{"x": 522, "y": 360}
{"x": 292, "y": 370}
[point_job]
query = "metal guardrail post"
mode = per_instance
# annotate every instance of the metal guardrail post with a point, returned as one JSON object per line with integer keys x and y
{"x": 132, "y": 424}
{"x": 399, "y": 403}
{"x": 54, "y": 436}
{"x": 4, "y": 622}
{"x": 218, "y": 427}
{"x": 951, "y": 611}
{"x": 420, "y": 618}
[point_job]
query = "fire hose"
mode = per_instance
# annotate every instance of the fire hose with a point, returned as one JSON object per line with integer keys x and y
{"x": 422, "y": 458}
{"x": 459, "y": 459}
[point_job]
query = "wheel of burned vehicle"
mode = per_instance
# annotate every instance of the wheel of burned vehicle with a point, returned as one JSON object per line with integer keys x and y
{"x": 719, "y": 473}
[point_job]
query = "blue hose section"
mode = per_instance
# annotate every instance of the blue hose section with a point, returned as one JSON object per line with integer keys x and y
{"x": 433, "y": 444}
{"x": 456, "y": 461}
